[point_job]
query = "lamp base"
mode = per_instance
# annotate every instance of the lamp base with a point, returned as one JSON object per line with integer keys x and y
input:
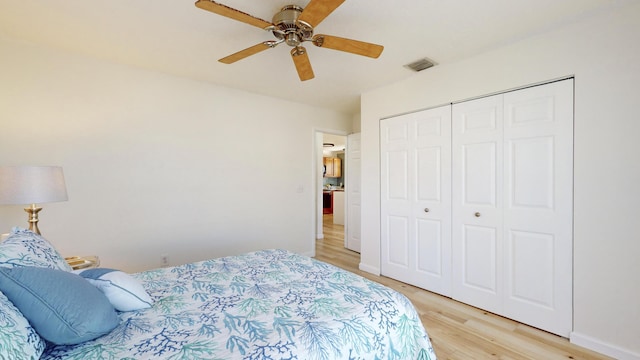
{"x": 33, "y": 218}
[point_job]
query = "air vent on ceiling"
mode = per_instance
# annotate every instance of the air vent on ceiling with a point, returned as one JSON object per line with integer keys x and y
{"x": 420, "y": 65}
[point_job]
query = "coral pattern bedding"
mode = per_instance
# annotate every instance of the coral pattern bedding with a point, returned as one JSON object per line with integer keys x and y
{"x": 270, "y": 304}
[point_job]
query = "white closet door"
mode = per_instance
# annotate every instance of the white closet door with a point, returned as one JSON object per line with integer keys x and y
{"x": 538, "y": 193}
{"x": 416, "y": 198}
{"x": 512, "y": 205}
{"x": 477, "y": 202}
{"x": 354, "y": 196}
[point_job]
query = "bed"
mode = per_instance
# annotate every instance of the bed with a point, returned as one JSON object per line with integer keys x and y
{"x": 269, "y": 304}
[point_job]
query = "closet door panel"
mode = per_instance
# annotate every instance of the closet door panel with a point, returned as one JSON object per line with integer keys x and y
{"x": 429, "y": 164}
{"x": 416, "y": 186}
{"x": 477, "y": 242}
{"x": 538, "y": 217}
{"x": 530, "y": 250}
{"x": 398, "y": 184}
{"x": 396, "y": 222}
{"x": 430, "y": 247}
{"x": 531, "y": 174}
{"x": 396, "y": 194}
{"x": 478, "y": 174}
{"x": 432, "y": 205}
{"x": 397, "y": 249}
{"x": 429, "y": 224}
{"x": 479, "y": 252}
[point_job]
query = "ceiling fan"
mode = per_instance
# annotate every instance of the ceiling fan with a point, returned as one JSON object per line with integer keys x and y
{"x": 293, "y": 25}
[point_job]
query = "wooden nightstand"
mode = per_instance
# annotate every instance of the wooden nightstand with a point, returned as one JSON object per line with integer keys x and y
{"x": 83, "y": 262}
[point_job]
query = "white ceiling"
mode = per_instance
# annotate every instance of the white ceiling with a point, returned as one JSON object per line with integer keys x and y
{"x": 175, "y": 37}
{"x": 339, "y": 142}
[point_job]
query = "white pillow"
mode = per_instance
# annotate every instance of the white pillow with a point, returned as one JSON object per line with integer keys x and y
{"x": 123, "y": 291}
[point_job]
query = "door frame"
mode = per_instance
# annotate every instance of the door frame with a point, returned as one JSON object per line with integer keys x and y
{"x": 349, "y": 206}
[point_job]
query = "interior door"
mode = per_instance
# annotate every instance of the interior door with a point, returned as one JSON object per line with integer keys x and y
{"x": 353, "y": 192}
{"x": 416, "y": 198}
{"x": 477, "y": 202}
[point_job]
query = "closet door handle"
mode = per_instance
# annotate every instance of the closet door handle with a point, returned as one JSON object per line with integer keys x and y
{"x": 477, "y": 214}
{"x": 426, "y": 209}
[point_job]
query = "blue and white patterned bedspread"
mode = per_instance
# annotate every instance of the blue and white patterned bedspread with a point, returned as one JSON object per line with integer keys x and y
{"x": 270, "y": 304}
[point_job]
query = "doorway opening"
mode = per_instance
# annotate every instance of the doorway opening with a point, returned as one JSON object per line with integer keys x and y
{"x": 338, "y": 190}
{"x": 332, "y": 168}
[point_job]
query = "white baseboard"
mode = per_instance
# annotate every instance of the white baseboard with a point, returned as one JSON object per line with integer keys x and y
{"x": 319, "y": 236}
{"x": 602, "y": 347}
{"x": 370, "y": 269}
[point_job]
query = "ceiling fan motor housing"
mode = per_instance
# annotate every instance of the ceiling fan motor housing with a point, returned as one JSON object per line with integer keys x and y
{"x": 287, "y": 27}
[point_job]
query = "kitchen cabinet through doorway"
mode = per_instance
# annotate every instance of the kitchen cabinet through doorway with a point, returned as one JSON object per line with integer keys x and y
{"x": 333, "y": 167}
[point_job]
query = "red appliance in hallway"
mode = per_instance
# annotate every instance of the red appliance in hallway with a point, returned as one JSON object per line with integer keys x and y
{"x": 327, "y": 202}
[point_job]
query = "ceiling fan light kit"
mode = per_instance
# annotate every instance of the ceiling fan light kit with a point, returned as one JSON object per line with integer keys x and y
{"x": 293, "y": 25}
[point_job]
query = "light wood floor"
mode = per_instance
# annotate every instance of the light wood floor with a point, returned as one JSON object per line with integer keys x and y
{"x": 458, "y": 331}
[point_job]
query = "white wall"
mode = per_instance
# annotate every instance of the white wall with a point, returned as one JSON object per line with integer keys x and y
{"x": 356, "y": 123}
{"x": 157, "y": 164}
{"x": 604, "y": 55}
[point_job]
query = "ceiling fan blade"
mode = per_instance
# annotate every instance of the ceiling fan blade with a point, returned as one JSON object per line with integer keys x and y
{"x": 248, "y": 52}
{"x": 318, "y": 10}
{"x": 303, "y": 65}
{"x": 232, "y": 13}
{"x": 348, "y": 45}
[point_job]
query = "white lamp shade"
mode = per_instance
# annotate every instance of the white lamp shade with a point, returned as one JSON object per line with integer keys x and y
{"x": 31, "y": 185}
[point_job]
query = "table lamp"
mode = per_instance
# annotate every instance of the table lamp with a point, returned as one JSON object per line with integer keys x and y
{"x": 20, "y": 185}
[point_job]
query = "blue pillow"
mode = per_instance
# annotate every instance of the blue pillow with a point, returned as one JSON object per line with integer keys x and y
{"x": 123, "y": 291}
{"x": 18, "y": 339}
{"x": 26, "y": 248}
{"x": 62, "y": 307}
